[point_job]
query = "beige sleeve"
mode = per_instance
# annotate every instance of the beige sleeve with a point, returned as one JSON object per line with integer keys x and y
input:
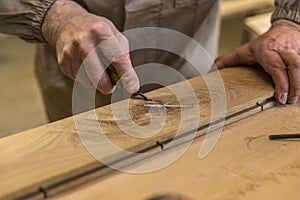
{"x": 287, "y": 9}
{"x": 24, "y": 18}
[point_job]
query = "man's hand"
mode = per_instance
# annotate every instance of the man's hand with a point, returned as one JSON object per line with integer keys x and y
{"x": 278, "y": 52}
{"x": 75, "y": 33}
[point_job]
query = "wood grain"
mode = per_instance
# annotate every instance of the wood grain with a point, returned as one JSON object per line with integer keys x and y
{"x": 52, "y": 158}
{"x": 243, "y": 165}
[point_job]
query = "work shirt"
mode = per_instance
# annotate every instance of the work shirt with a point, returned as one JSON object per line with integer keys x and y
{"x": 198, "y": 19}
{"x": 25, "y": 17}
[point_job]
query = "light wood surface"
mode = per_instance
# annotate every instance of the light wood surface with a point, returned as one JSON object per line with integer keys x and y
{"x": 243, "y": 165}
{"x": 51, "y": 158}
{"x": 259, "y": 24}
{"x": 234, "y": 8}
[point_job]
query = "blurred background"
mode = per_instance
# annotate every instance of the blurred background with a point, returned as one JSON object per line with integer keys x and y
{"x": 21, "y": 105}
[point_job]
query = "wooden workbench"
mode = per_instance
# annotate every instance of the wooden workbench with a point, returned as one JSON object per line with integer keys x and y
{"x": 50, "y": 160}
{"x": 244, "y": 165}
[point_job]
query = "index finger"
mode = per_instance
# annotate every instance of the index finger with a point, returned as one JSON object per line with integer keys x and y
{"x": 292, "y": 60}
{"x": 95, "y": 71}
{"x": 238, "y": 56}
{"x": 273, "y": 65}
{"x": 116, "y": 50}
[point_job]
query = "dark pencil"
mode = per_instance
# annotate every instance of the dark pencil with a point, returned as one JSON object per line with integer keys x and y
{"x": 284, "y": 136}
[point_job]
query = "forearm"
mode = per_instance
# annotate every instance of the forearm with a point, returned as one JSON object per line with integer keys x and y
{"x": 24, "y": 18}
{"x": 287, "y": 9}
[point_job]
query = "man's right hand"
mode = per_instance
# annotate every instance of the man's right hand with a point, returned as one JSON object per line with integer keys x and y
{"x": 75, "y": 33}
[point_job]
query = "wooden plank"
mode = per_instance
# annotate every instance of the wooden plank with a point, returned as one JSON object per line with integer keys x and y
{"x": 52, "y": 157}
{"x": 238, "y": 99}
{"x": 243, "y": 165}
{"x": 238, "y": 8}
{"x": 258, "y": 24}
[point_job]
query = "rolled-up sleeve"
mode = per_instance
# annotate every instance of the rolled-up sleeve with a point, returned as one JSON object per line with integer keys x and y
{"x": 24, "y": 18}
{"x": 287, "y": 9}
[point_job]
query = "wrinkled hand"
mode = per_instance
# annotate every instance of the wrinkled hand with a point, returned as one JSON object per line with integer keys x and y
{"x": 278, "y": 52}
{"x": 75, "y": 33}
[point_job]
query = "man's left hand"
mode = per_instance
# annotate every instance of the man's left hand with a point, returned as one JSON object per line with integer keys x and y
{"x": 278, "y": 52}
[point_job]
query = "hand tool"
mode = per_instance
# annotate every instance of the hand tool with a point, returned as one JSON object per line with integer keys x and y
{"x": 114, "y": 77}
{"x": 157, "y": 105}
{"x": 284, "y": 136}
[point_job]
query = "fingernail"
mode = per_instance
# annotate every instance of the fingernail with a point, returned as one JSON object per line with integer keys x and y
{"x": 283, "y": 98}
{"x": 293, "y": 100}
{"x": 132, "y": 86}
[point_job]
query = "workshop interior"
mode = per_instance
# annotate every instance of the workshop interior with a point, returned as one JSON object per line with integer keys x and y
{"x": 21, "y": 103}
{"x": 251, "y": 152}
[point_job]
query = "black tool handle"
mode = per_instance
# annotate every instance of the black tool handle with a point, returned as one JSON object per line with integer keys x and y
{"x": 114, "y": 77}
{"x": 284, "y": 136}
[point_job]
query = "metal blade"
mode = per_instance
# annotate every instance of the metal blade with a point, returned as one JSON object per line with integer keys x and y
{"x": 167, "y": 106}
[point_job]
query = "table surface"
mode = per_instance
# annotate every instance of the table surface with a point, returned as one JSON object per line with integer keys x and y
{"x": 244, "y": 164}
{"x": 51, "y": 159}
